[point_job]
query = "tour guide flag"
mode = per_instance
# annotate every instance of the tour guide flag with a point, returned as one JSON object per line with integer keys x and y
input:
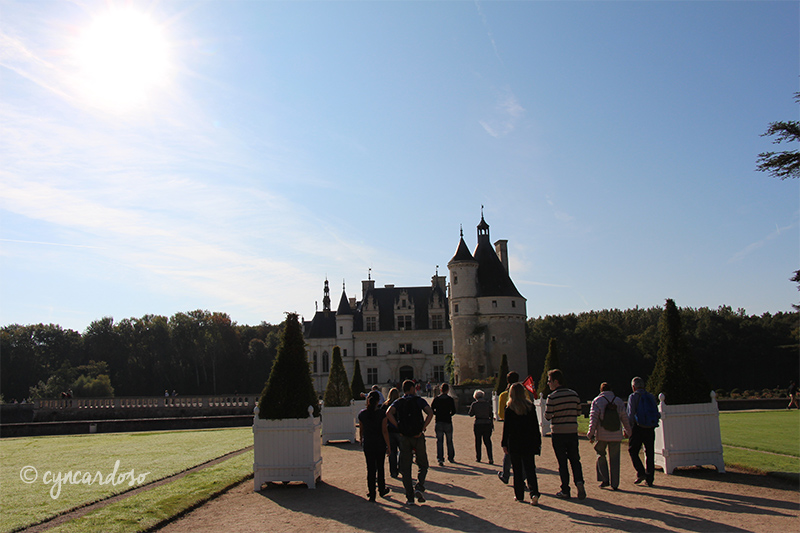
{"x": 531, "y": 386}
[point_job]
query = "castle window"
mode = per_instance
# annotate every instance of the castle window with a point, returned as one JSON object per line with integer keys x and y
{"x": 372, "y": 323}
{"x": 494, "y": 304}
{"x": 481, "y": 369}
{"x": 404, "y": 322}
{"x": 494, "y": 338}
{"x": 438, "y": 347}
{"x": 326, "y": 364}
{"x": 513, "y": 303}
{"x": 437, "y": 322}
{"x": 405, "y": 347}
{"x": 455, "y": 279}
{"x": 455, "y": 309}
{"x": 341, "y": 330}
{"x": 438, "y": 373}
{"x": 344, "y": 352}
{"x": 372, "y": 375}
{"x": 314, "y": 364}
{"x": 372, "y": 349}
{"x": 403, "y": 304}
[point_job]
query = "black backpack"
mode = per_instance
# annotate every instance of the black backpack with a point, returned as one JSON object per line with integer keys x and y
{"x": 409, "y": 417}
{"x": 610, "y": 420}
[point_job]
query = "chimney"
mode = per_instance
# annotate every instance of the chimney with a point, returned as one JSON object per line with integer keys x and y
{"x": 501, "y": 248}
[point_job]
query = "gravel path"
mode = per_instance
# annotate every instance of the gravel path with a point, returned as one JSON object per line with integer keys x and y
{"x": 469, "y": 497}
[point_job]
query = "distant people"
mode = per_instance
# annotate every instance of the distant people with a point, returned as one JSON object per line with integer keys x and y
{"x": 562, "y": 409}
{"x": 429, "y": 389}
{"x": 481, "y": 409}
{"x": 522, "y": 441}
{"x": 643, "y": 416}
{"x": 793, "y": 401}
{"x": 375, "y": 443}
{"x": 608, "y": 421}
{"x": 166, "y": 393}
{"x": 406, "y": 414}
{"x": 394, "y": 435}
{"x": 174, "y": 393}
{"x": 511, "y": 378}
{"x": 380, "y": 394}
{"x": 444, "y": 407}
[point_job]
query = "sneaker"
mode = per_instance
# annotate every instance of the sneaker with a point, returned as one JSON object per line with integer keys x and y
{"x": 563, "y": 495}
{"x": 410, "y": 503}
{"x": 581, "y": 491}
{"x": 441, "y": 463}
{"x": 385, "y": 491}
{"x": 420, "y": 496}
{"x": 638, "y": 480}
{"x": 649, "y": 483}
{"x": 534, "y": 499}
{"x": 503, "y": 479}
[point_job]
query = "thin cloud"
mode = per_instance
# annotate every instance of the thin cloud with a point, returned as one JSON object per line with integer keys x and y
{"x": 563, "y": 216}
{"x": 508, "y": 113}
{"x": 752, "y": 247}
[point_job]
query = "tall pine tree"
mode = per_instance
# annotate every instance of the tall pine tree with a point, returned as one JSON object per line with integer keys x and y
{"x": 676, "y": 373}
{"x": 502, "y": 381}
{"x": 289, "y": 390}
{"x": 357, "y": 387}
{"x": 338, "y": 392}
{"x": 550, "y": 362}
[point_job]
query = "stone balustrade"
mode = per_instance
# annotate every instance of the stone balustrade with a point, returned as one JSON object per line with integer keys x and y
{"x": 217, "y": 401}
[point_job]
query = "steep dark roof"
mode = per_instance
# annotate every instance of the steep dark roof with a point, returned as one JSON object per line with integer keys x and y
{"x": 462, "y": 252}
{"x": 385, "y": 299}
{"x": 493, "y": 280}
{"x": 322, "y": 326}
{"x": 344, "y": 305}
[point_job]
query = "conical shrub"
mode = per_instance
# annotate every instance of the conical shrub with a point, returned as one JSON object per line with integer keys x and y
{"x": 338, "y": 392}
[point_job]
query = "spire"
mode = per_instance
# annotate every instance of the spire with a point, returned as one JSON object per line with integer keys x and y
{"x": 326, "y": 300}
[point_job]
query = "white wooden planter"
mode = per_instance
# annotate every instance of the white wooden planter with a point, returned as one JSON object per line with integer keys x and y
{"x": 287, "y": 450}
{"x": 544, "y": 424}
{"x": 339, "y": 423}
{"x": 688, "y": 435}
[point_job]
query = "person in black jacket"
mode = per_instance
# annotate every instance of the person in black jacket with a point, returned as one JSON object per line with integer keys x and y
{"x": 375, "y": 442}
{"x": 444, "y": 407}
{"x": 522, "y": 441}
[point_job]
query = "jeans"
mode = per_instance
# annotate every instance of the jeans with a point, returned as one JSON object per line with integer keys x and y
{"x": 483, "y": 433}
{"x": 565, "y": 446}
{"x": 410, "y": 447}
{"x": 524, "y": 466}
{"x": 394, "y": 448}
{"x": 375, "y": 453}
{"x": 604, "y": 473}
{"x": 444, "y": 430}
{"x": 647, "y": 437}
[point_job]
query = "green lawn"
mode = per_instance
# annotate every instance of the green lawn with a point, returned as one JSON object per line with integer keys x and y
{"x": 158, "y": 455}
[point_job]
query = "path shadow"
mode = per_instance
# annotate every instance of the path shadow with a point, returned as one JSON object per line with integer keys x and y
{"x": 780, "y": 482}
{"x": 332, "y": 503}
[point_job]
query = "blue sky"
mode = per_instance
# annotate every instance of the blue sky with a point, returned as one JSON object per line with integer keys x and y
{"x": 264, "y": 146}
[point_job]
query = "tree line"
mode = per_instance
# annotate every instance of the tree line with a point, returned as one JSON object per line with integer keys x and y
{"x": 731, "y": 349}
{"x": 198, "y": 352}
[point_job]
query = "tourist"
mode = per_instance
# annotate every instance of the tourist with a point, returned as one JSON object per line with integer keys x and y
{"x": 375, "y": 442}
{"x": 643, "y": 416}
{"x": 793, "y": 396}
{"x": 483, "y": 426}
{"x": 444, "y": 407}
{"x": 562, "y": 409}
{"x": 406, "y": 414}
{"x": 377, "y": 389}
{"x": 522, "y": 441}
{"x": 607, "y": 424}
{"x": 511, "y": 378}
{"x": 394, "y": 434}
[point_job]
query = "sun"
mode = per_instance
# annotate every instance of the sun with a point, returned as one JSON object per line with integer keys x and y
{"x": 122, "y": 56}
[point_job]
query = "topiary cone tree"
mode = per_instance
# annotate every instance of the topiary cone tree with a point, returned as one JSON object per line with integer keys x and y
{"x": 676, "y": 373}
{"x": 338, "y": 392}
{"x": 289, "y": 390}
{"x": 502, "y": 382}
{"x": 357, "y": 387}
{"x": 550, "y": 362}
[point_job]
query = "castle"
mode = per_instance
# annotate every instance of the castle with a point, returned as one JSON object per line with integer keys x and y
{"x": 400, "y": 333}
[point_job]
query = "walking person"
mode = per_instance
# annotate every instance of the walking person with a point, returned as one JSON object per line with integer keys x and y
{"x": 562, "y": 409}
{"x": 375, "y": 443}
{"x": 644, "y": 416}
{"x": 483, "y": 426}
{"x": 511, "y": 378}
{"x": 792, "y": 391}
{"x": 444, "y": 407}
{"x": 522, "y": 442}
{"x": 406, "y": 414}
{"x": 394, "y": 434}
{"x": 608, "y": 421}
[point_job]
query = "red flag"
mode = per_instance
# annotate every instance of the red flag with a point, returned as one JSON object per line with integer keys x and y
{"x": 531, "y": 387}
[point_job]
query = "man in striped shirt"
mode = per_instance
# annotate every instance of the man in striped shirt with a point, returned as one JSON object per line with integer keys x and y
{"x": 563, "y": 407}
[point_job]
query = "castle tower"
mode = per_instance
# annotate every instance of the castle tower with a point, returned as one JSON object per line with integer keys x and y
{"x": 487, "y": 313}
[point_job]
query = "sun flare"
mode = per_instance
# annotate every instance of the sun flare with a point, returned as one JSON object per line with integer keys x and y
{"x": 122, "y": 56}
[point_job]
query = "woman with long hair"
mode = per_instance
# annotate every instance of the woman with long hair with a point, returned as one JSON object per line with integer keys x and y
{"x": 375, "y": 442}
{"x": 394, "y": 434}
{"x": 522, "y": 441}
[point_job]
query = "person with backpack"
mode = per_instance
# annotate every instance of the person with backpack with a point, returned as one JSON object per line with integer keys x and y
{"x": 643, "y": 416}
{"x": 406, "y": 414}
{"x": 608, "y": 421}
